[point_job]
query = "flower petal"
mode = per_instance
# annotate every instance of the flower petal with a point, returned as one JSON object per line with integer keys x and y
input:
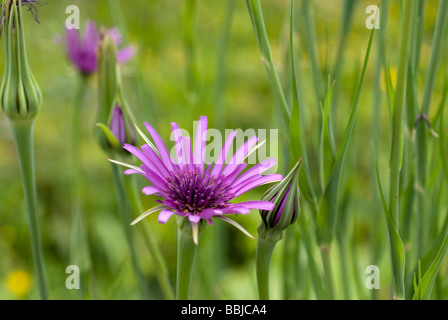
{"x": 149, "y": 190}
{"x": 260, "y": 205}
{"x": 256, "y": 170}
{"x": 236, "y": 209}
{"x": 209, "y": 213}
{"x": 147, "y": 213}
{"x": 163, "y": 151}
{"x": 164, "y": 215}
{"x": 125, "y": 54}
{"x": 194, "y": 218}
{"x": 239, "y": 155}
{"x": 254, "y": 182}
{"x": 178, "y": 142}
{"x": 219, "y": 163}
{"x": 200, "y": 143}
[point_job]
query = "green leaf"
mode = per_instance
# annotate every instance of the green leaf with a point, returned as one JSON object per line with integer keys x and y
{"x": 261, "y": 36}
{"x": 326, "y": 220}
{"x": 425, "y": 286}
{"x": 297, "y": 144}
{"x": 109, "y": 135}
{"x": 396, "y": 247}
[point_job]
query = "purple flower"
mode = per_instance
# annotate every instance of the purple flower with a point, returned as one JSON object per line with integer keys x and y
{"x": 191, "y": 189}
{"x": 83, "y": 52}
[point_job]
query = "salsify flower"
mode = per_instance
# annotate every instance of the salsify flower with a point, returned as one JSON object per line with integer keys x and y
{"x": 191, "y": 189}
{"x": 83, "y": 51}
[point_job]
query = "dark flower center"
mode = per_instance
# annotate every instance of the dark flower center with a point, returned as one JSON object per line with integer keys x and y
{"x": 193, "y": 192}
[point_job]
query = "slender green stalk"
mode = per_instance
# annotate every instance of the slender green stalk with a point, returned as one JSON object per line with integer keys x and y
{"x": 23, "y": 136}
{"x": 396, "y": 147}
{"x": 189, "y": 31}
{"x": 398, "y": 110}
{"x": 159, "y": 263}
{"x": 310, "y": 36}
{"x": 398, "y": 286}
{"x": 265, "y": 248}
{"x": 125, "y": 218}
{"x": 220, "y": 65}
{"x": 256, "y": 16}
{"x": 310, "y": 245}
{"x": 297, "y": 144}
{"x": 186, "y": 250}
{"x": 346, "y": 18}
{"x": 442, "y": 16}
{"x": 79, "y": 249}
{"x": 328, "y": 269}
{"x": 422, "y": 132}
{"x": 289, "y": 263}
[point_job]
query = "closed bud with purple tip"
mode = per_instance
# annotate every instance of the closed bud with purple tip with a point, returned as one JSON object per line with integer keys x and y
{"x": 114, "y": 118}
{"x": 121, "y": 129}
{"x": 20, "y": 95}
{"x": 286, "y": 197}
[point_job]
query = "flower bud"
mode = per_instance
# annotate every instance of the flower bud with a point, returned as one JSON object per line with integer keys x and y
{"x": 107, "y": 86}
{"x": 121, "y": 128}
{"x": 114, "y": 116}
{"x": 20, "y": 95}
{"x": 286, "y": 197}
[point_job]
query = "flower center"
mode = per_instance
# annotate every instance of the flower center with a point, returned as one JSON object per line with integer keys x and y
{"x": 192, "y": 192}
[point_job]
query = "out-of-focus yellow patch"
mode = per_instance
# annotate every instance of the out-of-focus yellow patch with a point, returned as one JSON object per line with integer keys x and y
{"x": 19, "y": 282}
{"x": 393, "y": 78}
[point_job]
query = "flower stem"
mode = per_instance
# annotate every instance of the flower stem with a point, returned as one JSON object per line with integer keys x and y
{"x": 325, "y": 254}
{"x": 79, "y": 250}
{"x": 396, "y": 148}
{"x": 265, "y": 248}
{"x": 186, "y": 250}
{"x": 23, "y": 136}
{"x": 256, "y": 16}
{"x": 124, "y": 210}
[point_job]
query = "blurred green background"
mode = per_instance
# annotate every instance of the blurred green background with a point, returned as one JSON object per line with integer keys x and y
{"x": 230, "y": 86}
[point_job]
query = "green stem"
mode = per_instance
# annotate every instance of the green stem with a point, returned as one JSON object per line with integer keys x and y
{"x": 220, "y": 66}
{"x": 343, "y": 259}
{"x": 422, "y": 131}
{"x": 397, "y": 132}
{"x": 159, "y": 263}
{"x": 289, "y": 263}
{"x": 328, "y": 270}
{"x": 256, "y": 16}
{"x": 397, "y": 117}
{"x": 125, "y": 217}
{"x": 186, "y": 250}
{"x": 189, "y": 31}
{"x": 265, "y": 249}
{"x": 435, "y": 55}
{"x": 310, "y": 245}
{"x": 310, "y": 38}
{"x": 80, "y": 253}
{"x": 23, "y": 136}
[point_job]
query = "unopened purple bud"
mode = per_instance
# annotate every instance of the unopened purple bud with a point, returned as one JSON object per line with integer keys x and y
{"x": 122, "y": 131}
{"x": 83, "y": 52}
{"x": 286, "y": 198}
